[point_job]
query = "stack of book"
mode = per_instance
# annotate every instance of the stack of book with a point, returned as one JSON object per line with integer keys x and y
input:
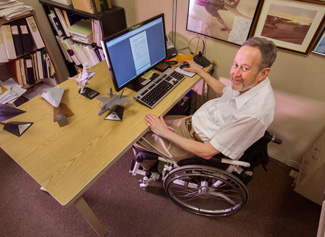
{"x": 81, "y": 31}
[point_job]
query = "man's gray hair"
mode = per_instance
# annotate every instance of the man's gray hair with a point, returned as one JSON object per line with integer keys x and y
{"x": 267, "y": 48}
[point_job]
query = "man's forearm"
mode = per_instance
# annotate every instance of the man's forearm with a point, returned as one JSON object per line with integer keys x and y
{"x": 215, "y": 84}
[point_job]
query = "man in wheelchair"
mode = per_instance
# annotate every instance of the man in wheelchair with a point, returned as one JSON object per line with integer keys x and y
{"x": 227, "y": 126}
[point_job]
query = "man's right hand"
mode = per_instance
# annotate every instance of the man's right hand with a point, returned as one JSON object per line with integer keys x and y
{"x": 193, "y": 67}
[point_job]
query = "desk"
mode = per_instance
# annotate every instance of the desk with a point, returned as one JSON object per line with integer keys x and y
{"x": 67, "y": 160}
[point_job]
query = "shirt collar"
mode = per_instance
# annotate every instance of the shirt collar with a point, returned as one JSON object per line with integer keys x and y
{"x": 243, "y": 98}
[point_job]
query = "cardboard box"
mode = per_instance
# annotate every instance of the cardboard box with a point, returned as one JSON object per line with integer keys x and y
{"x": 87, "y": 5}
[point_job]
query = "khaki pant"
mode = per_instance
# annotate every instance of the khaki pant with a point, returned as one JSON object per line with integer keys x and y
{"x": 153, "y": 143}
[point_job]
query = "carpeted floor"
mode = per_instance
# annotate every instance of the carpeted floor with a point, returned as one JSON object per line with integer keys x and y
{"x": 273, "y": 208}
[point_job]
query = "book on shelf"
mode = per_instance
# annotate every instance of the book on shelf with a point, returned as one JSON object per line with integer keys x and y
{"x": 39, "y": 64}
{"x": 81, "y": 28}
{"x": 22, "y": 70}
{"x": 8, "y": 41}
{"x": 59, "y": 14}
{"x": 29, "y": 70}
{"x": 55, "y": 23}
{"x": 15, "y": 71}
{"x": 36, "y": 35}
{"x": 79, "y": 51}
{"x": 96, "y": 32}
{"x": 3, "y": 50}
{"x": 67, "y": 42}
{"x": 63, "y": 49}
{"x": 82, "y": 31}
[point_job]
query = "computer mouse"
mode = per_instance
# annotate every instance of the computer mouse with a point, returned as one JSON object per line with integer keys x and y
{"x": 184, "y": 65}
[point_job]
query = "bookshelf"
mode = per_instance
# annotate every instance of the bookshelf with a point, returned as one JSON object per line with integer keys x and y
{"x": 24, "y": 59}
{"x": 109, "y": 21}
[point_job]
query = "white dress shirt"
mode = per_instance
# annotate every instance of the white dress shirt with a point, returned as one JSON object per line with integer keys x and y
{"x": 233, "y": 122}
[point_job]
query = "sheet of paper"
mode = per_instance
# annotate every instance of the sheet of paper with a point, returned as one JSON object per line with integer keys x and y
{"x": 186, "y": 73}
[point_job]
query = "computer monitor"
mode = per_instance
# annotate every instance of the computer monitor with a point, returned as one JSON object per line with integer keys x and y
{"x": 134, "y": 51}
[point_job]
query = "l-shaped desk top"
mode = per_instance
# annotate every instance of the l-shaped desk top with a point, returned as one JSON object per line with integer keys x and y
{"x": 67, "y": 160}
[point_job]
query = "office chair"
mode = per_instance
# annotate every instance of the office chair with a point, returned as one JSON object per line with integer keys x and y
{"x": 215, "y": 187}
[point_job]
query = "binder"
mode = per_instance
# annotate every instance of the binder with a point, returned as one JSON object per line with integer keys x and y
{"x": 25, "y": 35}
{"x": 35, "y": 32}
{"x": 17, "y": 38}
{"x": 3, "y": 50}
{"x": 29, "y": 70}
{"x": 8, "y": 41}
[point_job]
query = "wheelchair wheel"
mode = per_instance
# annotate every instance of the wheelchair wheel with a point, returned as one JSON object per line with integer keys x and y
{"x": 205, "y": 190}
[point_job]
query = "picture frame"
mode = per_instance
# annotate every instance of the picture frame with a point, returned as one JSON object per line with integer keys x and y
{"x": 229, "y": 21}
{"x": 320, "y": 46}
{"x": 314, "y": 1}
{"x": 291, "y": 25}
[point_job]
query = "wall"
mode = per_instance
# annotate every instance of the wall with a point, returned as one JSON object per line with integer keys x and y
{"x": 298, "y": 81}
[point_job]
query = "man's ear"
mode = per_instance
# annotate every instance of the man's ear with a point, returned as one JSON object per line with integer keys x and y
{"x": 264, "y": 72}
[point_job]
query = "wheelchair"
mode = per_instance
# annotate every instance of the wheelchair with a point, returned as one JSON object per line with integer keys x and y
{"x": 215, "y": 187}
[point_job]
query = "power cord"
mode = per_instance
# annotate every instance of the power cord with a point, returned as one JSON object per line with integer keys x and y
{"x": 197, "y": 46}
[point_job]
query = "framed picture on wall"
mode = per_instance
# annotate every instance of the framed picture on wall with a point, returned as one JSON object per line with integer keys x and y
{"x": 314, "y": 1}
{"x": 320, "y": 46}
{"x": 291, "y": 25}
{"x": 230, "y": 20}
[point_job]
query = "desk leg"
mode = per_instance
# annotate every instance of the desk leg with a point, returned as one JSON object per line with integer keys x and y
{"x": 89, "y": 215}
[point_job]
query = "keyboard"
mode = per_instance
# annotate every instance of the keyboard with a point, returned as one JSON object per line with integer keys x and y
{"x": 156, "y": 90}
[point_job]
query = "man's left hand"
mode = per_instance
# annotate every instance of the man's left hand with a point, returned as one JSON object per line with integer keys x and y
{"x": 157, "y": 125}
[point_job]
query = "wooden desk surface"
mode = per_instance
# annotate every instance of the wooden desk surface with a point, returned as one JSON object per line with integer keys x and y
{"x": 67, "y": 160}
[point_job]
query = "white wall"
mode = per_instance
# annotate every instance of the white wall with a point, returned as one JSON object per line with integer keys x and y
{"x": 298, "y": 81}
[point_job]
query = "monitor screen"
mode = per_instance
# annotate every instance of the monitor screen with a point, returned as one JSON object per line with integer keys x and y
{"x": 132, "y": 52}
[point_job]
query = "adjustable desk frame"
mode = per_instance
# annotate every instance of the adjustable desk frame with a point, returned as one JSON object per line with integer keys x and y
{"x": 67, "y": 160}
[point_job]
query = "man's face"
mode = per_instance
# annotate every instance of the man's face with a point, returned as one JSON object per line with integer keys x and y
{"x": 244, "y": 72}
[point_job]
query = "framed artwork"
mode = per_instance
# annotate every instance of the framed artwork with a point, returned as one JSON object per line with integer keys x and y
{"x": 320, "y": 47}
{"x": 227, "y": 20}
{"x": 314, "y": 1}
{"x": 291, "y": 25}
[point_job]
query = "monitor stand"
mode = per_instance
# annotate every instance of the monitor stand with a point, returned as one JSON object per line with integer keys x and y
{"x": 138, "y": 84}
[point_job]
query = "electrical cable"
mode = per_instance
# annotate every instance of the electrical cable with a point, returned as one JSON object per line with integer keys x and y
{"x": 197, "y": 46}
